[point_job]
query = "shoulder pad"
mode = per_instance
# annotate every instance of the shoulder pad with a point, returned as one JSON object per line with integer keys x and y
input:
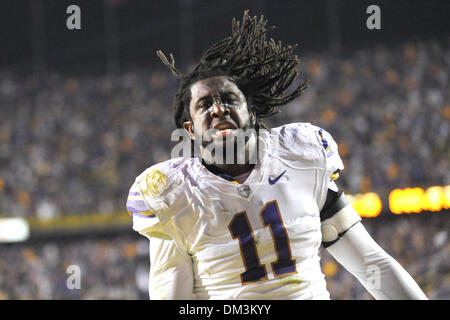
{"x": 307, "y": 141}
{"x": 160, "y": 178}
{"x": 149, "y": 196}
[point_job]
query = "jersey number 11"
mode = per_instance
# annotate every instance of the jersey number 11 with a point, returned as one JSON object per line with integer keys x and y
{"x": 241, "y": 229}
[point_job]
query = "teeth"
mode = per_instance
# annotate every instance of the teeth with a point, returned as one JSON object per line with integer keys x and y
{"x": 224, "y": 131}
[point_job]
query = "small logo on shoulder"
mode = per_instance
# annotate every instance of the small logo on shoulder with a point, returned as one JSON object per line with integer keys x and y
{"x": 273, "y": 181}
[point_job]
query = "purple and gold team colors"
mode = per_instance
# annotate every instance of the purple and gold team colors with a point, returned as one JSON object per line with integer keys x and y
{"x": 259, "y": 244}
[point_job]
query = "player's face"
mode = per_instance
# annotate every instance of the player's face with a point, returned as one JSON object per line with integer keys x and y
{"x": 217, "y": 103}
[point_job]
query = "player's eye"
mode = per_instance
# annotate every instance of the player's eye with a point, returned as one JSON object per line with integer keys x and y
{"x": 205, "y": 105}
{"x": 230, "y": 100}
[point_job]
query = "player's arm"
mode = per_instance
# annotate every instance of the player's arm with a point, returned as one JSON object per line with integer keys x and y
{"x": 171, "y": 273}
{"x": 346, "y": 239}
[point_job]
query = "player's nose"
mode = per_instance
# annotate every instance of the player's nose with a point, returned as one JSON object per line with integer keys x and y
{"x": 219, "y": 110}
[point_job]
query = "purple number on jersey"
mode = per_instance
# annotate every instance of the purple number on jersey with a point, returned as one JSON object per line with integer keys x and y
{"x": 240, "y": 229}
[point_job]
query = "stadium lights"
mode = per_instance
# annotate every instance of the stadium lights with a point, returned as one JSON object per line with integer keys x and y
{"x": 408, "y": 200}
{"x": 415, "y": 200}
{"x": 14, "y": 230}
{"x": 367, "y": 205}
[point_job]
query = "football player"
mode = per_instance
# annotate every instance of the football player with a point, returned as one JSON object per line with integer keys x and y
{"x": 248, "y": 224}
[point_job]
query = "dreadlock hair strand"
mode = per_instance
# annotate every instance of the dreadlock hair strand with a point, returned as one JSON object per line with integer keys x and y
{"x": 262, "y": 69}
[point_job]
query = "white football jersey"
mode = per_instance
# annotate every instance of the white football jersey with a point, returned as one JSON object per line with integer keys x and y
{"x": 255, "y": 240}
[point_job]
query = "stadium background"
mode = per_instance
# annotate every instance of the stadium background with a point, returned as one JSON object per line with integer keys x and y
{"x": 82, "y": 112}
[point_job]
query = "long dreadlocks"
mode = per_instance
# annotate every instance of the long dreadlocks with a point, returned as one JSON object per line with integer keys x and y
{"x": 263, "y": 70}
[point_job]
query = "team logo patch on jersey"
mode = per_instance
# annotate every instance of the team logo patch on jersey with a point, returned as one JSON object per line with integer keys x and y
{"x": 155, "y": 183}
{"x": 244, "y": 190}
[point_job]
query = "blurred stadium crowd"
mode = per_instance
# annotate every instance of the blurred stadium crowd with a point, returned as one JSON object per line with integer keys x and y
{"x": 110, "y": 268}
{"x": 73, "y": 145}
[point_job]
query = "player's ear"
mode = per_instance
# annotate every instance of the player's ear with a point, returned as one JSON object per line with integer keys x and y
{"x": 189, "y": 127}
{"x": 252, "y": 114}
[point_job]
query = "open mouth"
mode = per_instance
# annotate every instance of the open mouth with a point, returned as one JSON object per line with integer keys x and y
{"x": 223, "y": 129}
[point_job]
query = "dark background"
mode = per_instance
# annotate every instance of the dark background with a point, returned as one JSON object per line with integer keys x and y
{"x": 118, "y": 35}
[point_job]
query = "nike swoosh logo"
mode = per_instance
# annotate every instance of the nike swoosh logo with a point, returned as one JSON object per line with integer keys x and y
{"x": 273, "y": 181}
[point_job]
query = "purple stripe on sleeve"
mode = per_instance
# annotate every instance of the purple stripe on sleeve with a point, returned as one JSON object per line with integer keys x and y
{"x": 140, "y": 205}
{"x": 130, "y": 207}
{"x": 137, "y": 214}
